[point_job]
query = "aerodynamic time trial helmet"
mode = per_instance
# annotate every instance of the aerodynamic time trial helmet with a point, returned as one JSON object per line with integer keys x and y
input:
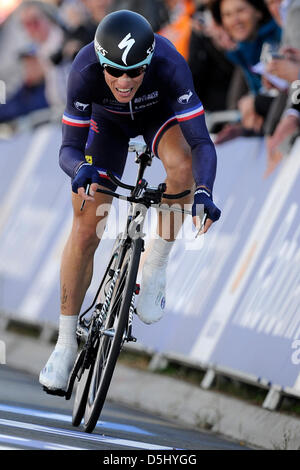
{"x": 124, "y": 39}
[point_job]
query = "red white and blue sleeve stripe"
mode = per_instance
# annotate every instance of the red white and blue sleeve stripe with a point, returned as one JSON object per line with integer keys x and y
{"x": 76, "y": 121}
{"x": 190, "y": 113}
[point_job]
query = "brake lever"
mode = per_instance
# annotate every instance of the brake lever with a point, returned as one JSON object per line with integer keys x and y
{"x": 86, "y": 192}
{"x": 202, "y": 225}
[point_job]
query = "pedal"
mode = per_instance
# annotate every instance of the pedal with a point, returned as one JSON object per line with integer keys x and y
{"x": 131, "y": 338}
{"x": 58, "y": 392}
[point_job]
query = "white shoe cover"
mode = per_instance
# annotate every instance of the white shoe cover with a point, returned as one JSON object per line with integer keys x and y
{"x": 151, "y": 300}
{"x": 55, "y": 374}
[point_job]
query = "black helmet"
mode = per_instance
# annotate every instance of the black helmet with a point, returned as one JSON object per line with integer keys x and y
{"x": 124, "y": 39}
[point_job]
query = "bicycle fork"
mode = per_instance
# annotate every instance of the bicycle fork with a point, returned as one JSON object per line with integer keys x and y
{"x": 128, "y": 332}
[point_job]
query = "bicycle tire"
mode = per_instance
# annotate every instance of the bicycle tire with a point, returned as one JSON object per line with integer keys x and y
{"x": 110, "y": 347}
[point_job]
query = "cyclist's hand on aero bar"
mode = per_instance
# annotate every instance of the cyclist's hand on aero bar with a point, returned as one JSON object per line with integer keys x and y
{"x": 86, "y": 174}
{"x": 203, "y": 202}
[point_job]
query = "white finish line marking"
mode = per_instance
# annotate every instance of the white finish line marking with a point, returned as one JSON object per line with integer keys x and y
{"x": 67, "y": 419}
{"x": 23, "y": 442}
{"x": 80, "y": 435}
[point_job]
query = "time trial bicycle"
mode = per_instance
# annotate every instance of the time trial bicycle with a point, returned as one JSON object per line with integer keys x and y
{"x": 102, "y": 335}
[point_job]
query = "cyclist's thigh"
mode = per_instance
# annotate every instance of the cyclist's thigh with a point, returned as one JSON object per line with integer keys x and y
{"x": 106, "y": 148}
{"x": 156, "y": 123}
{"x": 173, "y": 149}
{"x": 170, "y": 146}
{"x": 176, "y": 157}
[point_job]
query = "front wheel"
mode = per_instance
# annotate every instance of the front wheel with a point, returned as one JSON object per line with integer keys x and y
{"x": 112, "y": 332}
{"x": 84, "y": 377}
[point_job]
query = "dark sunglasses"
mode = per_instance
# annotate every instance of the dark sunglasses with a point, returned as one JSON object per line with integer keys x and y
{"x": 132, "y": 73}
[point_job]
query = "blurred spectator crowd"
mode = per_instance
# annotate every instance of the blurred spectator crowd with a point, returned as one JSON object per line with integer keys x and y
{"x": 244, "y": 56}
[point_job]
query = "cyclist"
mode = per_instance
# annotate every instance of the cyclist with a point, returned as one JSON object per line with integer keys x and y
{"x": 128, "y": 82}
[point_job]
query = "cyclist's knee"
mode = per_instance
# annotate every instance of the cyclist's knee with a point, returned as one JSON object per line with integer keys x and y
{"x": 86, "y": 238}
{"x": 181, "y": 175}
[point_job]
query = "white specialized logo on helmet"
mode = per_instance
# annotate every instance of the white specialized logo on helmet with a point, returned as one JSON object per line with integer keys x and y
{"x": 151, "y": 48}
{"x": 126, "y": 44}
{"x": 99, "y": 48}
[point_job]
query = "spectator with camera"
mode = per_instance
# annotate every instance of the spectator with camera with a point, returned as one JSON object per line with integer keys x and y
{"x": 212, "y": 71}
{"x": 284, "y": 119}
{"x": 250, "y": 25}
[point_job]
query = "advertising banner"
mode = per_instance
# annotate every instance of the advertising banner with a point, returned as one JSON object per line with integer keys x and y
{"x": 233, "y": 295}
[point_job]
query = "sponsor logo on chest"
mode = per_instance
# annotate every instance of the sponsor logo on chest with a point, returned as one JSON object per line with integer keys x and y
{"x": 139, "y": 102}
{"x": 144, "y": 98}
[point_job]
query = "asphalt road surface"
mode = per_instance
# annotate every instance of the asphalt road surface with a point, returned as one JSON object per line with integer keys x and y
{"x": 32, "y": 420}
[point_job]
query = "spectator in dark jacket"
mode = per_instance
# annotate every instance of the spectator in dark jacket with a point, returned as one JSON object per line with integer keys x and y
{"x": 212, "y": 71}
{"x": 31, "y": 95}
{"x": 249, "y": 24}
